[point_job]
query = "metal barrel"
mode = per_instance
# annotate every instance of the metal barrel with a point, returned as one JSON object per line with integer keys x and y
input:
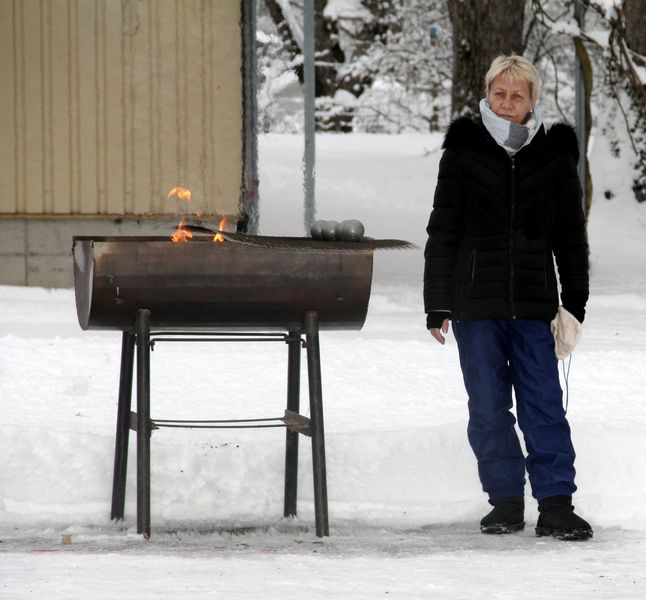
{"x": 210, "y": 285}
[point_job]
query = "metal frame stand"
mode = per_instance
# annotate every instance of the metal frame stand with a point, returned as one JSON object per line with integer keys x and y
{"x": 296, "y": 424}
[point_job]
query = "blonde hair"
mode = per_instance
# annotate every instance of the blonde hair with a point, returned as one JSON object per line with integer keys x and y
{"x": 517, "y": 68}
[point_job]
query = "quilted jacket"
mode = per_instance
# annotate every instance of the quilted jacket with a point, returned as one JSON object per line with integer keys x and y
{"x": 499, "y": 224}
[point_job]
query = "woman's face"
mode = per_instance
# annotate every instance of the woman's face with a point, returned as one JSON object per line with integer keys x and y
{"x": 510, "y": 98}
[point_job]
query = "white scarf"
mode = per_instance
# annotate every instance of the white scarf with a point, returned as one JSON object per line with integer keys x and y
{"x": 511, "y": 136}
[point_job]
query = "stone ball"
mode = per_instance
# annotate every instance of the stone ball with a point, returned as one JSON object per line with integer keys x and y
{"x": 350, "y": 231}
{"x": 316, "y": 230}
{"x": 328, "y": 230}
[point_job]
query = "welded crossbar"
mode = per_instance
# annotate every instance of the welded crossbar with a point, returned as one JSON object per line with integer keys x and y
{"x": 143, "y": 340}
{"x": 291, "y": 420}
{"x": 220, "y": 424}
{"x": 215, "y": 336}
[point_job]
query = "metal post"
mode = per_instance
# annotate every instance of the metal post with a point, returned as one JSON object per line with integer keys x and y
{"x": 250, "y": 105}
{"x": 291, "y": 442}
{"x": 579, "y": 14}
{"x": 142, "y": 328}
{"x": 316, "y": 423}
{"x": 309, "y": 158}
{"x": 123, "y": 426}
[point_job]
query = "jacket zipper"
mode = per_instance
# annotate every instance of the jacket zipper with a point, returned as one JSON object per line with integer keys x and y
{"x": 473, "y": 266}
{"x": 511, "y": 238}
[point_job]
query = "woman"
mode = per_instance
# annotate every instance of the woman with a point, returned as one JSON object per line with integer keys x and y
{"x": 507, "y": 203}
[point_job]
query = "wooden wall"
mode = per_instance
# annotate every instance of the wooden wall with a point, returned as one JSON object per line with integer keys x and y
{"x": 105, "y": 105}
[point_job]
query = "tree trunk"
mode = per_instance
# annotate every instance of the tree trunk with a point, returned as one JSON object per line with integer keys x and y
{"x": 482, "y": 29}
{"x": 586, "y": 69}
{"x": 635, "y": 14}
{"x": 635, "y": 22}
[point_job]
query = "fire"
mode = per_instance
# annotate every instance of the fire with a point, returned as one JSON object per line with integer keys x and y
{"x": 181, "y": 234}
{"x": 181, "y": 193}
{"x": 218, "y": 236}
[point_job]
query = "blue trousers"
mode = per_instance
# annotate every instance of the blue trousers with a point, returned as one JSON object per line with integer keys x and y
{"x": 496, "y": 355}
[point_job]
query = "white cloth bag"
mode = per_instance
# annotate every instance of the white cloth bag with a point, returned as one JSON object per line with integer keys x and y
{"x": 566, "y": 331}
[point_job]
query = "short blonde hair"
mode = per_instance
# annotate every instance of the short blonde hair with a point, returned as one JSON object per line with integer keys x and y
{"x": 517, "y": 68}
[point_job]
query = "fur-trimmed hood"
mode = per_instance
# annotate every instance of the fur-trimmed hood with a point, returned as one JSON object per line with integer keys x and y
{"x": 467, "y": 133}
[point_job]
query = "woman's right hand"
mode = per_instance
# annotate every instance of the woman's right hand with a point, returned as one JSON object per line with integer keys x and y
{"x": 437, "y": 332}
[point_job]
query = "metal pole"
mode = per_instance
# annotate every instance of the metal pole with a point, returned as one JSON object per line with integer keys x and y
{"x": 142, "y": 327}
{"x": 579, "y": 15}
{"x": 250, "y": 104}
{"x": 123, "y": 426}
{"x": 309, "y": 157}
{"x": 291, "y": 442}
{"x": 311, "y": 324}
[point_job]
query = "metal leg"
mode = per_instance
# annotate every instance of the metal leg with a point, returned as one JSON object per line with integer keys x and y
{"x": 142, "y": 327}
{"x": 291, "y": 443}
{"x": 123, "y": 426}
{"x": 316, "y": 423}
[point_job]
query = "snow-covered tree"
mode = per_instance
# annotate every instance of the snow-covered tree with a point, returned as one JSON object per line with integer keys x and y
{"x": 388, "y": 65}
{"x": 404, "y": 64}
{"x": 276, "y": 77}
{"x": 344, "y": 30}
{"x": 615, "y": 39}
{"x": 411, "y": 66}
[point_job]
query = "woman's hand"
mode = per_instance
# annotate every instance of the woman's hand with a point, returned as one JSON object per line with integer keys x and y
{"x": 437, "y": 332}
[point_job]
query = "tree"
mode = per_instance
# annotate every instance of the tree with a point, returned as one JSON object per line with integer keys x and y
{"x": 635, "y": 59}
{"x": 635, "y": 16}
{"x": 546, "y": 15}
{"x": 397, "y": 65}
{"x": 551, "y": 53}
{"x": 482, "y": 29}
{"x": 623, "y": 65}
{"x": 342, "y": 38}
{"x": 411, "y": 67}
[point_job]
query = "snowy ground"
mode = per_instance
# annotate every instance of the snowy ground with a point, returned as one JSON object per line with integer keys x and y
{"x": 403, "y": 492}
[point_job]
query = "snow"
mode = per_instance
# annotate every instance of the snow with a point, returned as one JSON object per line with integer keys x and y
{"x": 404, "y": 497}
{"x": 641, "y": 73}
{"x": 609, "y": 7}
{"x": 346, "y": 9}
{"x": 566, "y": 26}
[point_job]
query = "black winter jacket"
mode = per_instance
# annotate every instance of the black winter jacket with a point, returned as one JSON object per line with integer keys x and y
{"x": 497, "y": 224}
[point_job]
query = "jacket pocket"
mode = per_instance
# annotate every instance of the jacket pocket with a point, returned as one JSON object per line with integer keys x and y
{"x": 547, "y": 267}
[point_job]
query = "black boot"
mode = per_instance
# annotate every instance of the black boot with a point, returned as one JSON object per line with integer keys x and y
{"x": 507, "y": 516}
{"x": 557, "y": 519}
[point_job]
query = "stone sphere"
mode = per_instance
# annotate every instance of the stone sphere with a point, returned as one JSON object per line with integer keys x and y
{"x": 328, "y": 230}
{"x": 316, "y": 230}
{"x": 350, "y": 231}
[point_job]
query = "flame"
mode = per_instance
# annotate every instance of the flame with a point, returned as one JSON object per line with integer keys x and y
{"x": 218, "y": 236}
{"x": 181, "y": 234}
{"x": 181, "y": 193}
